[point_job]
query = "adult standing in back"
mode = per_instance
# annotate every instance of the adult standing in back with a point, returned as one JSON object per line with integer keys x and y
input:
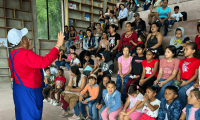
{"x": 122, "y": 14}
{"x": 72, "y": 35}
{"x": 163, "y": 14}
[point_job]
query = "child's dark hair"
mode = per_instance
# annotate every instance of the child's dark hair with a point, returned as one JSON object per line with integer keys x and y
{"x": 115, "y": 16}
{"x": 73, "y": 47}
{"x": 47, "y": 68}
{"x": 111, "y": 82}
{"x": 98, "y": 55}
{"x": 153, "y": 51}
{"x": 61, "y": 70}
{"x": 172, "y": 49}
{"x": 173, "y": 88}
{"x": 178, "y": 29}
{"x": 193, "y": 46}
{"x": 74, "y": 54}
{"x": 132, "y": 89}
{"x": 152, "y": 88}
{"x": 176, "y": 7}
{"x": 186, "y": 39}
{"x": 113, "y": 26}
{"x": 154, "y": 23}
{"x": 76, "y": 71}
{"x": 198, "y": 27}
{"x": 80, "y": 31}
{"x": 196, "y": 93}
{"x": 141, "y": 46}
{"x": 87, "y": 53}
{"x": 107, "y": 77}
{"x": 143, "y": 38}
{"x": 126, "y": 46}
{"x": 61, "y": 50}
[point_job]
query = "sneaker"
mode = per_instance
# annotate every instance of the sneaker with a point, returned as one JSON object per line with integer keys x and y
{"x": 52, "y": 101}
{"x": 45, "y": 100}
{"x": 71, "y": 111}
{"x": 89, "y": 118}
{"x": 74, "y": 117}
{"x": 169, "y": 26}
{"x": 57, "y": 104}
{"x": 64, "y": 114}
{"x": 84, "y": 117}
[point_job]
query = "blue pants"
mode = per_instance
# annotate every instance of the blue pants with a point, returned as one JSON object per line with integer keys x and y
{"x": 119, "y": 84}
{"x": 166, "y": 23}
{"x": 171, "y": 22}
{"x": 182, "y": 93}
{"x": 68, "y": 65}
{"x": 162, "y": 90}
{"x": 146, "y": 7}
{"x": 136, "y": 8}
{"x": 95, "y": 111}
{"x": 60, "y": 63}
{"x": 130, "y": 15}
{"x": 68, "y": 44}
{"x": 82, "y": 107}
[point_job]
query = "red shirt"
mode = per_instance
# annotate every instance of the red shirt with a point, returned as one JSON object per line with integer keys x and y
{"x": 60, "y": 81}
{"x": 149, "y": 67}
{"x": 197, "y": 41}
{"x": 126, "y": 41}
{"x": 140, "y": 43}
{"x": 27, "y": 64}
{"x": 188, "y": 67}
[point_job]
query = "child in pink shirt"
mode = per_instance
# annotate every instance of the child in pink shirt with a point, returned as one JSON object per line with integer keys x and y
{"x": 124, "y": 65}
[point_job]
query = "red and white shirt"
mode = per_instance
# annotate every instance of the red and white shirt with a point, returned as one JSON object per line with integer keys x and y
{"x": 60, "y": 81}
{"x": 149, "y": 67}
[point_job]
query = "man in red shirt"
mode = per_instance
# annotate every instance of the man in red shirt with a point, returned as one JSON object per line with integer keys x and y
{"x": 27, "y": 75}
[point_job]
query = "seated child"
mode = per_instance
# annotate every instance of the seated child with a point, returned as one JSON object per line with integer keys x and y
{"x": 186, "y": 41}
{"x": 141, "y": 40}
{"x": 150, "y": 103}
{"x": 103, "y": 44}
{"x": 97, "y": 63}
{"x": 178, "y": 39}
{"x": 88, "y": 64}
{"x": 74, "y": 61}
{"x": 53, "y": 71}
{"x": 69, "y": 58}
{"x": 61, "y": 59}
{"x": 93, "y": 90}
{"x": 150, "y": 70}
{"x": 192, "y": 110}
{"x": 170, "y": 107}
{"x": 135, "y": 98}
{"x": 106, "y": 67}
{"x": 197, "y": 38}
{"x": 175, "y": 17}
{"x": 112, "y": 99}
{"x": 124, "y": 65}
{"x": 137, "y": 67}
{"x": 188, "y": 71}
{"x": 100, "y": 103}
{"x": 49, "y": 83}
{"x": 168, "y": 70}
{"x": 59, "y": 87}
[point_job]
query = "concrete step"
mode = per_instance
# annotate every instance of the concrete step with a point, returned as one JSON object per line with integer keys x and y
{"x": 192, "y": 11}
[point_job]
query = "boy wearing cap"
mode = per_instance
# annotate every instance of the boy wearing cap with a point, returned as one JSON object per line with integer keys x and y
{"x": 139, "y": 25}
{"x": 93, "y": 88}
{"x": 26, "y": 71}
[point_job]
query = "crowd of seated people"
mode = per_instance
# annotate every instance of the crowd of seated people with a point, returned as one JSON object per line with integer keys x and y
{"x": 145, "y": 86}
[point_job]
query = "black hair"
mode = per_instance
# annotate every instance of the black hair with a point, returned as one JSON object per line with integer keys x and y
{"x": 143, "y": 38}
{"x": 186, "y": 39}
{"x": 172, "y": 49}
{"x": 133, "y": 2}
{"x": 74, "y": 54}
{"x": 154, "y": 23}
{"x": 80, "y": 31}
{"x": 107, "y": 9}
{"x": 107, "y": 77}
{"x": 129, "y": 23}
{"x": 105, "y": 32}
{"x": 141, "y": 46}
{"x": 132, "y": 89}
{"x": 196, "y": 93}
{"x": 92, "y": 78}
{"x": 193, "y": 46}
{"x": 113, "y": 26}
{"x": 98, "y": 55}
{"x": 73, "y": 28}
{"x": 111, "y": 82}
{"x": 198, "y": 26}
{"x": 154, "y": 2}
{"x": 99, "y": 12}
{"x": 126, "y": 46}
{"x": 87, "y": 53}
{"x": 61, "y": 50}
{"x": 178, "y": 29}
{"x": 122, "y": 5}
{"x": 151, "y": 50}
{"x": 76, "y": 71}
{"x": 98, "y": 24}
{"x": 47, "y": 68}
{"x": 61, "y": 70}
{"x": 65, "y": 26}
{"x": 173, "y": 88}
{"x": 115, "y": 16}
{"x": 176, "y": 7}
{"x": 73, "y": 47}
{"x": 89, "y": 30}
{"x": 152, "y": 88}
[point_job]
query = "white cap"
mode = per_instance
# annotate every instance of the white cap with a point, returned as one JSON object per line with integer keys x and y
{"x": 15, "y": 36}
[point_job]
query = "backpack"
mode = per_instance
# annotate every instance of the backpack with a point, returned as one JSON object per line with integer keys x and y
{"x": 184, "y": 16}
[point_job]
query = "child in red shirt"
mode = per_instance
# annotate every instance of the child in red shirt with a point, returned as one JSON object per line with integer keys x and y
{"x": 197, "y": 38}
{"x": 150, "y": 70}
{"x": 188, "y": 70}
{"x": 59, "y": 87}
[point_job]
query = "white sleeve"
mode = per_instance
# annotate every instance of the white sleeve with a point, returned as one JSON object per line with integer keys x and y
{"x": 180, "y": 15}
{"x": 125, "y": 13}
{"x": 78, "y": 61}
{"x": 172, "y": 15}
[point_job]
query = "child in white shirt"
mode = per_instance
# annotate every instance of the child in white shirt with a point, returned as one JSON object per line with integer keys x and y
{"x": 175, "y": 17}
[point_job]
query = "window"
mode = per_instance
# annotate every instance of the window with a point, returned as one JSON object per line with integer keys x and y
{"x": 49, "y": 18}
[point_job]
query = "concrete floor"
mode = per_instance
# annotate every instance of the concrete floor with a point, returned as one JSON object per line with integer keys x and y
{"x": 7, "y": 112}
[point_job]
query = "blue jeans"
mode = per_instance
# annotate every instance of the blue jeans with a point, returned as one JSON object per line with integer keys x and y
{"x": 68, "y": 44}
{"x": 130, "y": 15}
{"x": 182, "y": 93}
{"x": 119, "y": 84}
{"x": 68, "y": 65}
{"x": 76, "y": 109}
{"x": 171, "y": 22}
{"x": 118, "y": 55}
{"x": 136, "y": 8}
{"x": 146, "y": 7}
{"x": 166, "y": 23}
{"x": 82, "y": 107}
{"x": 60, "y": 63}
{"x": 162, "y": 90}
{"x": 133, "y": 51}
{"x": 95, "y": 111}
